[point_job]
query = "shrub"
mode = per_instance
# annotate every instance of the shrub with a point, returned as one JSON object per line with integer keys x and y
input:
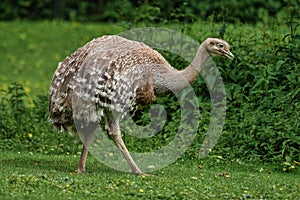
{"x": 27, "y": 128}
{"x": 244, "y": 11}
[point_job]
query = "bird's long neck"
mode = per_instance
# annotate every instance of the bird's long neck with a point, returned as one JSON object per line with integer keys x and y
{"x": 191, "y": 72}
{"x": 170, "y": 79}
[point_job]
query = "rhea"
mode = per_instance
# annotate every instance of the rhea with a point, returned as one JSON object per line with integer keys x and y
{"x": 114, "y": 74}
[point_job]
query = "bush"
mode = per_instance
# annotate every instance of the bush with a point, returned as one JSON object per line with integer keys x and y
{"x": 27, "y": 128}
{"x": 184, "y": 11}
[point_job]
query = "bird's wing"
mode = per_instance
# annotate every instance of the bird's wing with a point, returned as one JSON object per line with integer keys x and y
{"x": 118, "y": 85}
{"x": 107, "y": 73}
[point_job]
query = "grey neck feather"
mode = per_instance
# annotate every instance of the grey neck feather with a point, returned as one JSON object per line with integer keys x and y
{"x": 191, "y": 72}
{"x": 170, "y": 79}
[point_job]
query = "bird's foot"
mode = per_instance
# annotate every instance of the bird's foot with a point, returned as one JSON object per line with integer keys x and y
{"x": 145, "y": 175}
{"x": 80, "y": 170}
{"x": 140, "y": 173}
{"x": 137, "y": 171}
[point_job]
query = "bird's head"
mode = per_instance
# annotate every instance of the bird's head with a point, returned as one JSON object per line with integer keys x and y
{"x": 215, "y": 46}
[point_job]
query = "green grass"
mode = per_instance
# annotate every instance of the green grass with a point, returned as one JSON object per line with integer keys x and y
{"x": 38, "y": 176}
{"x": 30, "y": 51}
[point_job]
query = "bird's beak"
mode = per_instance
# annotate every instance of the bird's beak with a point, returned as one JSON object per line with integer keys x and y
{"x": 229, "y": 55}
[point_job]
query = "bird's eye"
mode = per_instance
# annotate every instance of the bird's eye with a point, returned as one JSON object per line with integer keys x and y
{"x": 221, "y": 45}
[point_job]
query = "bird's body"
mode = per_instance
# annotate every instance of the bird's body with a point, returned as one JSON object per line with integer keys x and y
{"x": 113, "y": 74}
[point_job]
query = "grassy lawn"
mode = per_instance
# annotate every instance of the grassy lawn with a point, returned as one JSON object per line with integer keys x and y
{"x": 30, "y": 52}
{"x": 38, "y": 176}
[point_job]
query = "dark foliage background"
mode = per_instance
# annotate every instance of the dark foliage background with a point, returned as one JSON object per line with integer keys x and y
{"x": 105, "y": 10}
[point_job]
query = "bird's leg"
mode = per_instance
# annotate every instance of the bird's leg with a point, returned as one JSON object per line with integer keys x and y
{"x": 115, "y": 134}
{"x": 87, "y": 135}
{"x": 83, "y": 156}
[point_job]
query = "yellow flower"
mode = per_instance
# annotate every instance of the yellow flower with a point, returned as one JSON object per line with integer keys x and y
{"x": 27, "y": 89}
{"x": 30, "y": 135}
{"x": 284, "y": 169}
{"x": 141, "y": 190}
